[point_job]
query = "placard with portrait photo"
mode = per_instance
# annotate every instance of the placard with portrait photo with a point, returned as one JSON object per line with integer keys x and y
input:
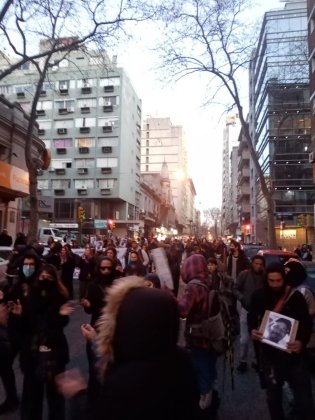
{"x": 278, "y": 330}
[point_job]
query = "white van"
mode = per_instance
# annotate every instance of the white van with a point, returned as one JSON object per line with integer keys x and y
{"x": 45, "y": 232}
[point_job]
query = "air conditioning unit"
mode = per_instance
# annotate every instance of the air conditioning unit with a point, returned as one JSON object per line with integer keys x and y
{"x": 82, "y": 171}
{"x": 106, "y": 170}
{"x": 109, "y": 88}
{"x": 105, "y": 191}
{"x": 84, "y": 149}
{"x": 62, "y": 131}
{"x": 107, "y": 149}
{"x": 311, "y": 157}
{"x": 63, "y": 87}
{"x": 70, "y": 109}
{"x": 107, "y": 103}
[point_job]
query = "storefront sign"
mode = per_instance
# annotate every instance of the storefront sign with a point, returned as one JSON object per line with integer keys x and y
{"x": 100, "y": 224}
{"x": 45, "y": 204}
{"x": 14, "y": 179}
{"x": 288, "y": 234}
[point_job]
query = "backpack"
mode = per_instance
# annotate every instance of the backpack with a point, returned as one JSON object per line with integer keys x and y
{"x": 211, "y": 328}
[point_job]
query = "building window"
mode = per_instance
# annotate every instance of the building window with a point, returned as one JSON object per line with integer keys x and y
{"x": 147, "y": 168}
{"x": 64, "y": 209}
{"x": 60, "y": 163}
{"x": 148, "y": 126}
{"x": 104, "y": 141}
{"x": 148, "y": 135}
{"x": 147, "y": 151}
{"x": 147, "y": 159}
{"x": 147, "y": 143}
{"x": 43, "y": 184}
{"x": 66, "y": 105}
{"x": 62, "y": 143}
{"x": 85, "y": 142}
{"x": 83, "y": 183}
{"x": 106, "y": 162}
{"x": 105, "y": 183}
{"x": 106, "y": 100}
{"x": 60, "y": 184}
{"x": 84, "y": 163}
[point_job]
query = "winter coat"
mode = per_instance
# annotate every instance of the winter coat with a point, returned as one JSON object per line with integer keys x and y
{"x": 42, "y": 325}
{"x": 246, "y": 284}
{"x": 194, "y": 301}
{"x": 241, "y": 264}
{"x": 149, "y": 377}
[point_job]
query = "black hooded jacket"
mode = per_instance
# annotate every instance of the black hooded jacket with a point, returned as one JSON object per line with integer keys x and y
{"x": 96, "y": 292}
{"x": 150, "y": 377}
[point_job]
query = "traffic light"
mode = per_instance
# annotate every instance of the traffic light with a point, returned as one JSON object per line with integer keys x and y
{"x": 300, "y": 220}
{"x": 81, "y": 214}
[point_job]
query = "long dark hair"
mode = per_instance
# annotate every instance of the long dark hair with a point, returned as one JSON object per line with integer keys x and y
{"x": 52, "y": 271}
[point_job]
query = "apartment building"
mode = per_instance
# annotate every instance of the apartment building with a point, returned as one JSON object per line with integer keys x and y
{"x": 14, "y": 179}
{"x": 229, "y": 177}
{"x": 89, "y": 116}
{"x": 161, "y": 141}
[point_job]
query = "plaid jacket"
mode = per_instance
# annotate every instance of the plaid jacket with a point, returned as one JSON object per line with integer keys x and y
{"x": 193, "y": 304}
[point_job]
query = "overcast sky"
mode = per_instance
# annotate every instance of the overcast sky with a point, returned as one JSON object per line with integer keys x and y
{"x": 182, "y": 103}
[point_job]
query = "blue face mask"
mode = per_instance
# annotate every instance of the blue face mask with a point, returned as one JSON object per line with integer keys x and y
{"x": 28, "y": 270}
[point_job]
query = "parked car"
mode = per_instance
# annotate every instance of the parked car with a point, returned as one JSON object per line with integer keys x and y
{"x": 277, "y": 256}
{"x": 310, "y": 270}
{"x": 251, "y": 250}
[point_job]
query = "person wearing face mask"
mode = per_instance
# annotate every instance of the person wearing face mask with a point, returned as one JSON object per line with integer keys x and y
{"x": 15, "y": 297}
{"x": 277, "y": 365}
{"x": 134, "y": 266}
{"x": 93, "y": 304}
{"x": 44, "y": 353}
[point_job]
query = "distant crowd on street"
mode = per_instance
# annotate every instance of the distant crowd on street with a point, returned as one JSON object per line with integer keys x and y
{"x": 153, "y": 346}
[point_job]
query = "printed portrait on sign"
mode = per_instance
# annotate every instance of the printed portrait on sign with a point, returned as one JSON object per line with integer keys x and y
{"x": 278, "y": 330}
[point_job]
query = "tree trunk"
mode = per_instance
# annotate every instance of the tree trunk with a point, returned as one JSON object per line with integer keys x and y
{"x": 34, "y": 216}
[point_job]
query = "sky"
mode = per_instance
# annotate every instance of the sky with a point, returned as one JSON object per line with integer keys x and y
{"x": 183, "y": 103}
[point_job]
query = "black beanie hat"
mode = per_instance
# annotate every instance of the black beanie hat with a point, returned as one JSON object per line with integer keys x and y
{"x": 296, "y": 275}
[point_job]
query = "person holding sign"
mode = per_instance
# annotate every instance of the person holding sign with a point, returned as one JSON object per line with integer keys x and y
{"x": 275, "y": 303}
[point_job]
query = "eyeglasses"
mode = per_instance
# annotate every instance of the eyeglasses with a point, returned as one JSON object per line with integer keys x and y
{"x": 105, "y": 268}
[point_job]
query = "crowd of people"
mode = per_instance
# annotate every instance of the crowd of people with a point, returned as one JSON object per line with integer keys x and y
{"x": 139, "y": 368}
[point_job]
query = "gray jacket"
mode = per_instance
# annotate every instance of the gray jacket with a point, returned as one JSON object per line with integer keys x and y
{"x": 246, "y": 284}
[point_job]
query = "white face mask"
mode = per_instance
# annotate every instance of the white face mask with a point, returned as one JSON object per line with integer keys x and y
{"x": 28, "y": 270}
